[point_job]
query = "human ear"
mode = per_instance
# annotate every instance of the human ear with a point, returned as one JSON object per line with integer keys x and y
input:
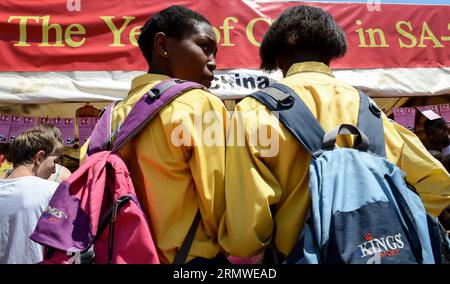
{"x": 39, "y": 157}
{"x": 160, "y": 45}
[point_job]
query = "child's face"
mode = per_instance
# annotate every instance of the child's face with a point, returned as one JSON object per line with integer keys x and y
{"x": 46, "y": 166}
{"x": 193, "y": 57}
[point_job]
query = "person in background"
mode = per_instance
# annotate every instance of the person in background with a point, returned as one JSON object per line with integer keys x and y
{"x": 25, "y": 194}
{"x": 264, "y": 192}
{"x": 437, "y": 155}
{"x": 437, "y": 134}
{"x": 444, "y": 219}
{"x": 5, "y": 165}
{"x": 61, "y": 172}
{"x": 446, "y": 162}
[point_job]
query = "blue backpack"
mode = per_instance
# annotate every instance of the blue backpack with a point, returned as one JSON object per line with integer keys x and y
{"x": 362, "y": 210}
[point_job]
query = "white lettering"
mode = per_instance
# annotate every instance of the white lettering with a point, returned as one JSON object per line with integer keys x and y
{"x": 375, "y": 259}
{"x": 246, "y": 273}
{"x": 398, "y": 238}
{"x": 263, "y": 274}
{"x": 186, "y": 274}
{"x": 392, "y": 244}
{"x": 73, "y": 5}
{"x": 213, "y": 134}
{"x": 364, "y": 250}
{"x": 375, "y": 248}
{"x": 272, "y": 273}
{"x": 381, "y": 242}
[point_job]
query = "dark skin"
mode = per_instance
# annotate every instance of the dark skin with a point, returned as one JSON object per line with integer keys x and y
{"x": 439, "y": 138}
{"x": 191, "y": 58}
{"x": 285, "y": 61}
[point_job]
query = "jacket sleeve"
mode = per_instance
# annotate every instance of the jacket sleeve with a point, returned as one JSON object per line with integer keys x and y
{"x": 423, "y": 171}
{"x": 207, "y": 160}
{"x": 250, "y": 189}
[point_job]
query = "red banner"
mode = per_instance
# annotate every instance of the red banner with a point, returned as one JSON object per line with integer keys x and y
{"x": 52, "y": 35}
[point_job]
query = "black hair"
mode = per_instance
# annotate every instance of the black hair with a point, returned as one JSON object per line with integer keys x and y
{"x": 446, "y": 163}
{"x": 302, "y": 29}
{"x": 176, "y": 22}
{"x": 437, "y": 155}
{"x": 435, "y": 123}
{"x": 444, "y": 218}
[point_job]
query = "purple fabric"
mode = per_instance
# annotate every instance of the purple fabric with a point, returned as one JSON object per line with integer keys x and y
{"x": 74, "y": 212}
{"x": 62, "y": 213}
{"x": 65, "y": 213}
{"x": 101, "y": 132}
{"x": 146, "y": 108}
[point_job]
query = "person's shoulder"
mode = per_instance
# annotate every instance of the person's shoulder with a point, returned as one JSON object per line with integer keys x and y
{"x": 199, "y": 95}
{"x": 34, "y": 187}
{"x": 304, "y": 81}
{"x": 50, "y": 187}
{"x": 250, "y": 104}
{"x": 62, "y": 173}
{"x": 195, "y": 97}
{"x": 43, "y": 183}
{"x": 65, "y": 171}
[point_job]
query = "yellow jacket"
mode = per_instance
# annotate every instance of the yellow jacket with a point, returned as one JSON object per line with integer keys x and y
{"x": 255, "y": 182}
{"x": 172, "y": 180}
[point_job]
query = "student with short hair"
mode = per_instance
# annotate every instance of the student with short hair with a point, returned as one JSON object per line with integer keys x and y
{"x": 270, "y": 193}
{"x": 61, "y": 172}
{"x": 174, "y": 180}
{"x": 437, "y": 134}
{"x": 25, "y": 194}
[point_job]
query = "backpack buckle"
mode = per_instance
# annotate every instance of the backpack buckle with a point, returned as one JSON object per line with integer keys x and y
{"x": 283, "y": 100}
{"x": 286, "y": 102}
{"x": 152, "y": 95}
{"x": 374, "y": 110}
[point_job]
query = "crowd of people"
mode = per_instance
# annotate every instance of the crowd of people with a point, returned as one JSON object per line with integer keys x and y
{"x": 241, "y": 193}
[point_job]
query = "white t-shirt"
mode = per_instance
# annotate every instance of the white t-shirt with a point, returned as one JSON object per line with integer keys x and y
{"x": 22, "y": 201}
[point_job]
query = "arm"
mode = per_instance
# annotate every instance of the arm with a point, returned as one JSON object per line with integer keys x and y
{"x": 250, "y": 189}
{"x": 207, "y": 160}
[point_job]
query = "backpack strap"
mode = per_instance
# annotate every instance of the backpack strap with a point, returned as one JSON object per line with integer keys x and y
{"x": 100, "y": 135}
{"x": 304, "y": 126}
{"x": 182, "y": 253}
{"x": 149, "y": 105}
{"x": 299, "y": 121}
{"x": 371, "y": 123}
{"x": 361, "y": 141}
{"x": 142, "y": 112}
{"x": 408, "y": 218}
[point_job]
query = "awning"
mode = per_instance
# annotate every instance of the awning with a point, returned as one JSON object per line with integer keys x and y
{"x": 79, "y": 51}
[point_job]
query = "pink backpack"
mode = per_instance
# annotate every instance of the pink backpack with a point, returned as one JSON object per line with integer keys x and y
{"x": 94, "y": 216}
